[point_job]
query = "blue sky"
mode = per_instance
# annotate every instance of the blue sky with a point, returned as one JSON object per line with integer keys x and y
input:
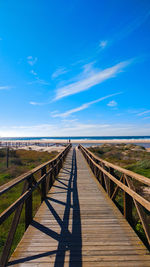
{"x": 79, "y": 67}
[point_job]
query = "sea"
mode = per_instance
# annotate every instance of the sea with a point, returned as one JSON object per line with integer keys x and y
{"x": 78, "y": 138}
{"x": 86, "y": 138}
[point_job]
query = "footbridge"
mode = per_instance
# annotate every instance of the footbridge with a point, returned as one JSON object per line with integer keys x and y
{"x": 78, "y": 223}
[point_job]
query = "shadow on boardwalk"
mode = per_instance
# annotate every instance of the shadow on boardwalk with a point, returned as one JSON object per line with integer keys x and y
{"x": 67, "y": 241}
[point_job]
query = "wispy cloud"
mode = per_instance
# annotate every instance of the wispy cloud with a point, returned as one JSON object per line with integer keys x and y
{"x": 1, "y": 39}
{"x": 146, "y": 118}
{"x": 39, "y": 81}
{"x": 112, "y": 103}
{"x": 33, "y": 72}
{"x": 5, "y": 87}
{"x": 143, "y": 113}
{"x": 103, "y": 44}
{"x": 82, "y": 107}
{"x": 90, "y": 80}
{"x": 75, "y": 129}
{"x": 54, "y": 112}
{"x": 36, "y": 103}
{"x": 88, "y": 69}
{"x": 31, "y": 60}
{"x": 126, "y": 30}
{"x": 131, "y": 26}
{"x": 63, "y": 129}
{"x": 59, "y": 72}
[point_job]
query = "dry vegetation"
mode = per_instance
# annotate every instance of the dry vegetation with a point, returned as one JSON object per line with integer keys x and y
{"x": 129, "y": 156}
{"x": 20, "y": 161}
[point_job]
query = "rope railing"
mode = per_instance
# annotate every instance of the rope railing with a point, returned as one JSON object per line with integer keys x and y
{"x": 47, "y": 173}
{"x": 113, "y": 178}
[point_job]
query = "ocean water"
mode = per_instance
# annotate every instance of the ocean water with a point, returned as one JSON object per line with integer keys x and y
{"x": 89, "y": 138}
{"x": 78, "y": 138}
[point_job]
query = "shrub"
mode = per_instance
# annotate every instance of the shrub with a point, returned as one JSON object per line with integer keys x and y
{"x": 16, "y": 161}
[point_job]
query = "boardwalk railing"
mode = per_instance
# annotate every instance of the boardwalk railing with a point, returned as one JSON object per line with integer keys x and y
{"x": 47, "y": 173}
{"x": 22, "y": 143}
{"x": 114, "y": 179}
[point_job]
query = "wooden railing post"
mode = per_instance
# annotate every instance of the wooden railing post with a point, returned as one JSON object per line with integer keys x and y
{"x": 57, "y": 166}
{"x": 145, "y": 221}
{"x": 102, "y": 180}
{"x": 50, "y": 182}
{"x": 12, "y": 231}
{"x": 43, "y": 184}
{"x": 28, "y": 206}
{"x": 53, "y": 172}
{"x": 111, "y": 183}
{"x": 61, "y": 161}
{"x": 48, "y": 179}
{"x": 127, "y": 205}
{"x": 7, "y": 157}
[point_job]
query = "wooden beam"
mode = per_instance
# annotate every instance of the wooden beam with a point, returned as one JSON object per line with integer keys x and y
{"x": 145, "y": 203}
{"x": 12, "y": 231}
{"x": 140, "y": 211}
{"x": 4, "y": 188}
{"x": 136, "y": 176}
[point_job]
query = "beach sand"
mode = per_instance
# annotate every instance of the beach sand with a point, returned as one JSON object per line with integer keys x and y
{"x": 77, "y": 141}
{"x": 41, "y": 149}
{"x": 59, "y": 144}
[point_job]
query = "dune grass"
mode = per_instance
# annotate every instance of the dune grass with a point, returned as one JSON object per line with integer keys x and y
{"x": 129, "y": 156}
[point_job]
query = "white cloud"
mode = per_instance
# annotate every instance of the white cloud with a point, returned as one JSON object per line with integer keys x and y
{"x": 127, "y": 28}
{"x": 62, "y": 129}
{"x": 75, "y": 129}
{"x": 54, "y": 112}
{"x": 59, "y": 72}
{"x": 31, "y": 60}
{"x": 112, "y": 103}
{"x": 82, "y": 107}
{"x": 33, "y": 72}
{"x": 146, "y": 118}
{"x": 5, "y": 87}
{"x": 103, "y": 44}
{"x": 143, "y": 113}
{"x": 69, "y": 112}
{"x": 131, "y": 26}
{"x": 88, "y": 68}
{"x": 38, "y": 81}
{"x": 67, "y": 121}
{"x": 136, "y": 23}
{"x": 36, "y": 103}
{"x": 90, "y": 80}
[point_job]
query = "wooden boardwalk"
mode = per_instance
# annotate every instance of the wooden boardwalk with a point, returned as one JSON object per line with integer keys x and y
{"x": 78, "y": 225}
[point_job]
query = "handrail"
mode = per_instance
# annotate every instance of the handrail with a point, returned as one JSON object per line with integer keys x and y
{"x": 4, "y": 188}
{"x": 111, "y": 182}
{"x": 49, "y": 171}
{"x": 134, "y": 175}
